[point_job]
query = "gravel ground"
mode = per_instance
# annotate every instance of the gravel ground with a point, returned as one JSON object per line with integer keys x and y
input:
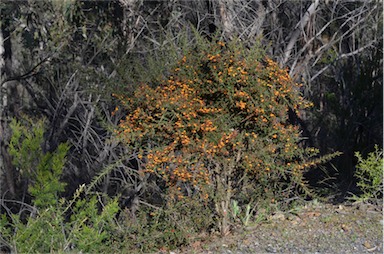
{"x": 315, "y": 228}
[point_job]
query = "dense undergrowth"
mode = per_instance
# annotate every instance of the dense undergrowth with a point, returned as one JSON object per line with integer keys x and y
{"x": 212, "y": 141}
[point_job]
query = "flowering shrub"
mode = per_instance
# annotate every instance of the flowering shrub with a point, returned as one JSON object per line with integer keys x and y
{"x": 220, "y": 124}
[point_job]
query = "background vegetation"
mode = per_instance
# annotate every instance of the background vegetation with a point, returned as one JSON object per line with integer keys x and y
{"x": 147, "y": 124}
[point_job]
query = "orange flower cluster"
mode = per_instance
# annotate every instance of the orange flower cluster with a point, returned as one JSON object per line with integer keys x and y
{"x": 219, "y": 107}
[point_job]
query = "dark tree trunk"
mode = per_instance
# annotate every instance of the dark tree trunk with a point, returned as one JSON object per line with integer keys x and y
{"x": 7, "y": 109}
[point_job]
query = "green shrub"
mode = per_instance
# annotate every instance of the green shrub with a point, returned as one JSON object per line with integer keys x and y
{"x": 47, "y": 228}
{"x": 369, "y": 175}
{"x": 89, "y": 230}
{"x": 43, "y": 170}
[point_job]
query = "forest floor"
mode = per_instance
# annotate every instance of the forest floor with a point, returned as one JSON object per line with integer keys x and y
{"x": 312, "y": 228}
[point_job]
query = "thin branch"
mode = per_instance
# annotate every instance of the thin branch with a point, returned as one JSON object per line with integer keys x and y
{"x": 295, "y": 35}
{"x": 28, "y": 74}
{"x": 355, "y": 52}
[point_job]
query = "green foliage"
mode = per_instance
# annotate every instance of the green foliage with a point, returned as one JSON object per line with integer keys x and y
{"x": 48, "y": 228}
{"x": 369, "y": 174}
{"x": 174, "y": 225}
{"x": 329, "y": 57}
{"x": 89, "y": 229}
{"x": 238, "y": 214}
{"x": 42, "y": 233}
{"x": 49, "y": 231}
{"x": 43, "y": 170}
{"x": 25, "y": 145}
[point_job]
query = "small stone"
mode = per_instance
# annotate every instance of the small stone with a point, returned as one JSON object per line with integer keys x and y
{"x": 278, "y": 216}
{"x": 271, "y": 249}
{"x": 345, "y": 228}
{"x": 367, "y": 245}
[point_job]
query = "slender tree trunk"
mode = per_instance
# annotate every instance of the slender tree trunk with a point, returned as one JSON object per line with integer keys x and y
{"x": 298, "y": 30}
{"x": 226, "y": 18}
{"x": 6, "y": 167}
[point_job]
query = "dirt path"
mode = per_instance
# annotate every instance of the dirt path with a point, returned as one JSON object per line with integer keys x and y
{"x": 315, "y": 228}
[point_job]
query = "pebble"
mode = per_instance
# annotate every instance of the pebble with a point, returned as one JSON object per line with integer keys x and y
{"x": 271, "y": 249}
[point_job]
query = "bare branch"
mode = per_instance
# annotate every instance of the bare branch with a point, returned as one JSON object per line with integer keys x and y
{"x": 295, "y": 35}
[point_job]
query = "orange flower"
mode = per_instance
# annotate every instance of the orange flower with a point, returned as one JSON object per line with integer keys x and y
{"x": 220, "y": 43}
{"x": 114, "y": 111}
{"x": 241, "y": 105}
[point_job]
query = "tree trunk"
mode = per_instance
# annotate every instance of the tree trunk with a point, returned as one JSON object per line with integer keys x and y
{"x": 6, "y": 110}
